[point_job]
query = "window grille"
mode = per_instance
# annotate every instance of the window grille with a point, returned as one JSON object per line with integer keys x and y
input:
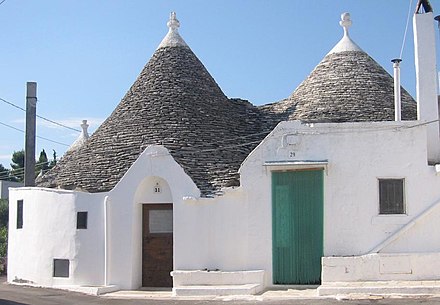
{"x": 391, "y": 196}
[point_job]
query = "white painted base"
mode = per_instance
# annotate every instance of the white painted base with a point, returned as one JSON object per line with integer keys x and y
{"x": 217, "y": 290}
{"x": 91, "y": 290}
{"x": 380, "y": 288}
{"x": 381, "y": 267}
{"x": 198, "y": 282}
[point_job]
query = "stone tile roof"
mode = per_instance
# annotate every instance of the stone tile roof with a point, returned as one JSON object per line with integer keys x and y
{"x": 174, "y": 102}
{"x": 345, "y": 86}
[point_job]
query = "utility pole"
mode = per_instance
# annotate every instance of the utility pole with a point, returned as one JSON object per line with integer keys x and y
{"x": 31, "y": 112}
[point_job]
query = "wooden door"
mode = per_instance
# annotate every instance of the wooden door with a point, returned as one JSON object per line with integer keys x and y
{"x": 157, "y": 245}
{"x": 297, "y": 231}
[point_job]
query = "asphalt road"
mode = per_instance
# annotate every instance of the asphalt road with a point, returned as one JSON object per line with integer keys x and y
{"x": 21, "y": 295}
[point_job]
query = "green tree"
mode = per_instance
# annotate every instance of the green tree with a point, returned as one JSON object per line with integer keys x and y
{"x": 4, "y": 219}
{"x": 4, "y": 213}
{"x": 41, "y": 165}
{"x": 54, "y": 160}
{"x": 17, "y": 165}
{"x": 5, "y": 174}
{"x": 3, "y": 243}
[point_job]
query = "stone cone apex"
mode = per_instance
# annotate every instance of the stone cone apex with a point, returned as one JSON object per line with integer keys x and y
{"x": 176, "y": 103}
{"x": 346, "y": 86}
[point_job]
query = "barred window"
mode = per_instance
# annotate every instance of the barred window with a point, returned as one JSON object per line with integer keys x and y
{"x": 391, "y": 196}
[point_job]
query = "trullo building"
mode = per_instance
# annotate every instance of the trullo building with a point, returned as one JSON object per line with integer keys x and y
{"x": 182, "y": 186}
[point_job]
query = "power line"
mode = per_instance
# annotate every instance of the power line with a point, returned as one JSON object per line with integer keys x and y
{"x": 40, "y": 137}
{"x": 12, "y": 127}
{"x": 59, "y": 124}
{"x": 18, "y": 172}
{"x": 39, "y": 116}
{"x": 56, "y": 142}
{"x": 11, "y": 104}
{"x": 406, "y": 28}
{"x": 2, "y": 2}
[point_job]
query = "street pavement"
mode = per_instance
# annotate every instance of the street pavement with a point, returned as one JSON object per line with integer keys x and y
{"x": 23, "y": 295}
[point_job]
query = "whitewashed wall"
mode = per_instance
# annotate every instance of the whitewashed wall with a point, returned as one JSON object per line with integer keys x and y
{"x": 358, "y": 154}
{"x": 234, "y": 231}
{"x": 155, "y": 164}
{"x": 49, "y": 232}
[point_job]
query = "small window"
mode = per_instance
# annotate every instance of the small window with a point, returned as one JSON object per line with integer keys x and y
{"x": 81, "y": 220}
{"x": 160, "y": 221}
{"x": 19, "y": 214}
{"x": 61, "y": 268}
{"x": 391, "y": 196}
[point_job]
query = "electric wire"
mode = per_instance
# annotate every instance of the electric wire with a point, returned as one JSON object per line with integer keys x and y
{"x": 21, "y": 169}
{"x": 2, "y": 2}
{"x": 18, "y": 172}
{"x": 406, "y": 28}
{"x": 40, "y": 137}
{"x": 39, "y": 116}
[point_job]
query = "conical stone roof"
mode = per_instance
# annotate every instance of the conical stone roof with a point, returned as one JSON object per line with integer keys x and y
{"x": 347, "y": 85}
{"x": 176, "y": 103}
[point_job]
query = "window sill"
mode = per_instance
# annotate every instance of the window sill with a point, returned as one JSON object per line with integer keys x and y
{"x": 390, "y": 219}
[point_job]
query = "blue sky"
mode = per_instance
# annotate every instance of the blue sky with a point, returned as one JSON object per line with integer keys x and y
{"x": 85, "y": 54}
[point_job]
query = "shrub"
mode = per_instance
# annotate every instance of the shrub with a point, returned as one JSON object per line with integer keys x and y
{"x": 3, "y": 241}
{"x": 4, "y": 213}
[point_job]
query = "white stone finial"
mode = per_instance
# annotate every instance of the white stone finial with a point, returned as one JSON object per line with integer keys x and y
{"x": 345, "y": 22}
{"x": 173, "y": 23}
{"x": 345, "y": 44}
{"x": 82, "y": 138}
{"x": 173, "y": 39}
{"x": 84, "y": 127}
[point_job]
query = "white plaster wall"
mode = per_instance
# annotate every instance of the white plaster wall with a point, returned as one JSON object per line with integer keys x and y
{"x": 219, "y": 226}
{"x": 208, "y": 233}
{"x": 49, "y": 231}
{"x": 421, "y": 236}
{"x": 426, "y": 79}
{"x": 358, "y": 154}
{"x": 234, "y": 231}
{"x": 125, "y": 213}
{"x": 381, "y": 267}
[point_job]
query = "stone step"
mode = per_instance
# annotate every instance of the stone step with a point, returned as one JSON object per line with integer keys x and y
{"x": 217, "y": 290}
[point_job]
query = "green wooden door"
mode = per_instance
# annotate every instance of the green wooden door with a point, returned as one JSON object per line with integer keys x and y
{"x": 297, "y": 226}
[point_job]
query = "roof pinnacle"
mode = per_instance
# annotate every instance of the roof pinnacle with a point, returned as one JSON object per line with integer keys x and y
{"x": 345, "y": 44}
{"x": 173, "y": 39}
{"x": 345, "y": 22}
{"x": 173, "y": 23}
